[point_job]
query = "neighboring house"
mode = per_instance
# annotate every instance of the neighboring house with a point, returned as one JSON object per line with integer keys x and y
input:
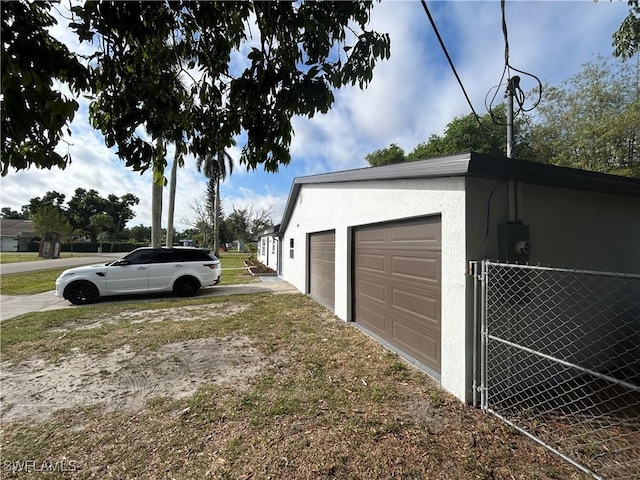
{"x": 16, "y": 234}
{"x": 238, "y": 246}
{"x": 392, "y": 252}
{"x": 242, "y": 246}
{"x": 269, "y": 248}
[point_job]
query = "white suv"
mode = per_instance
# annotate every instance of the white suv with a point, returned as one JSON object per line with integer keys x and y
{"x": 182, "y": 271}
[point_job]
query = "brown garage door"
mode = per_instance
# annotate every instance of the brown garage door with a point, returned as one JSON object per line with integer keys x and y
{"x": 397, "y": 285}
{"x": 322, "y": 281}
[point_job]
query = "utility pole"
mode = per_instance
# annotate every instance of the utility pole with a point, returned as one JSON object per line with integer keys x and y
{"x": 512, "y": 188}
{"x": 512, "y": 86}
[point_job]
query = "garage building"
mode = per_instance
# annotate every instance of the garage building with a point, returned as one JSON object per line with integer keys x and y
{"x": 392, "y": 252}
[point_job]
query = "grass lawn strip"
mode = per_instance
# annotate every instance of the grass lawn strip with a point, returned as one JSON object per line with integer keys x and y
{"x": 314, "y": 398}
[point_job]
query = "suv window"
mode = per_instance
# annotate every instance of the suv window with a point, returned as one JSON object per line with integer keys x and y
{"x": 167, "y": 256}
{"x": 140, "y": 257}
{"x": 196, "y": 256}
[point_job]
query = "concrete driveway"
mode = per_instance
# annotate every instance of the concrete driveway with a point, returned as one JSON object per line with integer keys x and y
{"x": 15, "y": 305}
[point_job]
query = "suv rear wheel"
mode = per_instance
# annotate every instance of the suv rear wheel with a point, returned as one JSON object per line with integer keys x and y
{"x": 186, "y": 287}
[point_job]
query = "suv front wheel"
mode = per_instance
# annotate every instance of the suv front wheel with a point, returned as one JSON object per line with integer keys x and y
{"x": 186, "y": 287}
{"x": 81, "y": 292}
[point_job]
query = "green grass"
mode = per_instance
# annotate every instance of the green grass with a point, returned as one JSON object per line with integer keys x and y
{"x": 232, "y": 260}
{"x": 234, "y": 270}
{"x": 11, "y": 257}
{"x": 15, "y": 257}
{"x": 329, "y": 403}
{"x": 29, "y": 283}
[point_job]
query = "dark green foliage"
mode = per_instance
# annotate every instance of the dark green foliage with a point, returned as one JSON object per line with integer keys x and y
{"x": 34, "y": 112}
{"x": 50, "y": 223}
{"x": 592, "y": 120}
{"x": 386, "y": 156}
{"x": 626, "y": 40}
{"x": 463, "y": 134}
{"x": 148, "y": 48}
{"x": 86, "y": 204}
{"x": 87, "y": 212}
{"x": 8, "y": 213}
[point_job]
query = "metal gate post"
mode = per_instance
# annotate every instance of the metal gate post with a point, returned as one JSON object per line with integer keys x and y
{"x": 484, "y": 280}
{"x": 473, "y": 271}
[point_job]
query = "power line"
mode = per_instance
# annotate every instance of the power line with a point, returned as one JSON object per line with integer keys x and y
{"x": 518, "y": 94}
{"x": 446, "y": 53}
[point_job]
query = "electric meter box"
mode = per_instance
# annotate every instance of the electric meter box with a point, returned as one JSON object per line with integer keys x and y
{"x": 513, "y": 242}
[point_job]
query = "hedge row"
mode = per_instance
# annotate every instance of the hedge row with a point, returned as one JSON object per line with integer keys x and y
{"x": 90, "y": 247}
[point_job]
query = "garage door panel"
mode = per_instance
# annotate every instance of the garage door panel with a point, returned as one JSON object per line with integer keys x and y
{"x": 415, "y": 304}
{"x": 372, "y": 237}
{"x": 373, "y": 291}
{"x": 375, "y": 321}
{"x": 399, "y": 298}
{"x": 425, "y": 232}
{"x": 417, "y": 343}
{"x": 371, "y": 262}
{"x": 415, "y": 269}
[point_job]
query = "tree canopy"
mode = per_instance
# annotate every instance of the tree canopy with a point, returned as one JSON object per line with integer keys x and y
{"x": 198, "y": 72}
{"x": 34, "y": 111}
{"x": 386, "y": 156}
{"x": 156, "y": 58}
{"x": 462, "y": 134}
{"x": 591, "y": 121}
{"x": 245, "y": 223}
{"x": 86, "y": 213}
{"x": 51, "y": 224}
{"x": 626, "y": 40}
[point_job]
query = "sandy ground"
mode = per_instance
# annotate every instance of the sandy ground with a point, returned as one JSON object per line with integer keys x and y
{"x": 122, "y": 379}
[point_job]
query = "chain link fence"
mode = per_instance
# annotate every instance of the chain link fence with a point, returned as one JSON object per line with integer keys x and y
{"x": 559, "y": 359}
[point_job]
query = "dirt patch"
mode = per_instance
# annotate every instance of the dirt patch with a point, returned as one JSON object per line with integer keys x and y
{"x": 122, "y": 379}
{"x": 174, "y": 314}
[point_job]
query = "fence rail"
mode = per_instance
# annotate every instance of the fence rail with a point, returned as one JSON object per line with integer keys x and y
{"x": 558, "y": 358}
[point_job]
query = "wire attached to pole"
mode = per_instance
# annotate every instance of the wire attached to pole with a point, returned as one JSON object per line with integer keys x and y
{"x": 518, "y": 93}
{"x": 446, "y": 53}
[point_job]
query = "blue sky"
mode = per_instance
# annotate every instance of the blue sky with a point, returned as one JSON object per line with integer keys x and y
{"x": 412, "y": 95}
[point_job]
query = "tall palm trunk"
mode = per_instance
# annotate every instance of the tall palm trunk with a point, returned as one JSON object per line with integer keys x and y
{"x": 216, "y": 219}
{"x": 156, "y": 214}
{"x": 172, "y": 197}
{"x": 156, "y": 200}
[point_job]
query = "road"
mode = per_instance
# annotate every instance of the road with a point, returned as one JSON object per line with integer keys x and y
{"x": 20, "y": 267}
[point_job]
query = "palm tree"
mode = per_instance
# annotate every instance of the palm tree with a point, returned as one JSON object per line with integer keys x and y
{"x": 178, "y": 161}
{"x": 156, "y": 196}
{"x": 214, "y": 167}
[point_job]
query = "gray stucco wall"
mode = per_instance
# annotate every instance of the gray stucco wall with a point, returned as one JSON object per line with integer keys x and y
{"x": 567, "y": 228}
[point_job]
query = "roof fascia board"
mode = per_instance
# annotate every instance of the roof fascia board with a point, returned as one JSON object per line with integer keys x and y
{"x": 472, "y": 164}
